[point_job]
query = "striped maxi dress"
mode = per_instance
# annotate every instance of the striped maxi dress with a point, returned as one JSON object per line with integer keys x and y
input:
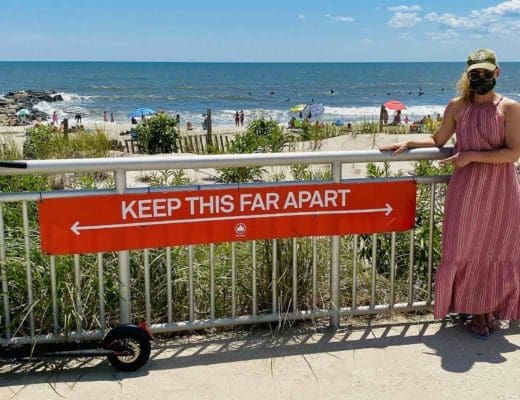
{"x": 480, "y": 267}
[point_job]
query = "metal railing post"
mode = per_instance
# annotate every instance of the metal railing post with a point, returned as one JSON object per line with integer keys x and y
{"x": 334, "y": 262}
{"x": 123, "y": 264}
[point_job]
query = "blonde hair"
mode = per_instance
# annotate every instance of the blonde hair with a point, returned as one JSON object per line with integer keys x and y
{"x": 464, "y": 88}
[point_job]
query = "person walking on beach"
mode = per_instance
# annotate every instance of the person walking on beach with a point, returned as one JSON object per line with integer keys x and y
{"x": 54, "y": 118}
{"x": 112, "y": 117}
{"x": 383, "y": 117}
{"x": 237, "y": 119}
{"x": 242, "y": 116}
{"x": 105, "y": 116}
{"x": 479, "y": 273}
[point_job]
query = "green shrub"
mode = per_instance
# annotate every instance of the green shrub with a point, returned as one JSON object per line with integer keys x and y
{"x": 261, "y": 136}
{"x": 45, "y": 142}
{"x": 157, "y": 134}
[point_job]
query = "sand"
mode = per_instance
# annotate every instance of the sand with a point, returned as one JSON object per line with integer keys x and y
{"x": 340, "y": 143}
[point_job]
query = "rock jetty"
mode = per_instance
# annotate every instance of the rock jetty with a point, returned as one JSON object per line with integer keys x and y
{"x": 12, "y": 102}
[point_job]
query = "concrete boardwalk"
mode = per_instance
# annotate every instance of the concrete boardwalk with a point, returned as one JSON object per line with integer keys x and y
{"x": 412, "y": 358}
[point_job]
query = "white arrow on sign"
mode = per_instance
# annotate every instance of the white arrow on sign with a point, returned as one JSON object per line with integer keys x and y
{"x": 76, "y": 227}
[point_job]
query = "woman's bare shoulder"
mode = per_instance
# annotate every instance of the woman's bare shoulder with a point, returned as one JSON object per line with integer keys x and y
{"x": 510, "y": 107}
{"x": 455, "y": 106}
{"x": 507, "y": 102}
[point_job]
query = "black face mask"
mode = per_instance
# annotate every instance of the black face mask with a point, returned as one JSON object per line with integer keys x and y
{"x": 482, "y": 85}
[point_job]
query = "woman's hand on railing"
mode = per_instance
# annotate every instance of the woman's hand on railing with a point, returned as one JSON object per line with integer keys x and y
{"x": 396, "y": 148}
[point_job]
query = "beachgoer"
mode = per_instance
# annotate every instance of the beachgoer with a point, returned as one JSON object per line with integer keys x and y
{"x": 178, "y": 120}
{"x": 292, "y": 123}
{"x": 54, "y": 118}
{"x": 237, "y": 119}
{"x": 406, "y": 119}
{"x": 105, "y": 116}
{"x": 478, "y": 273}
{"x": 112, "y": 117}
{"x": 242, "y": 116}
{"x": 383, "y": 117}
{"x": 133, "y": 121}
{"x": 397, "y": 118}
{"x": 77, "y": 118}
{"x": 189, "y": 126}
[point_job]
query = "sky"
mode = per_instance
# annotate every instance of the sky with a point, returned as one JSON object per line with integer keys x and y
{"x": 258, "y": 30}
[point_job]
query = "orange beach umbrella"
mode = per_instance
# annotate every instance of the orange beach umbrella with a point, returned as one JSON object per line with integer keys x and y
{"x": 394, "y": 105}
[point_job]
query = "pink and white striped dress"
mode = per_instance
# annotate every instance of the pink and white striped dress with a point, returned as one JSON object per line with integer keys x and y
{"x": 480, "y": 267}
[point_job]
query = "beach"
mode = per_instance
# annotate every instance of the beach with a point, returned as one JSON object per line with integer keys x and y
{"x": 345, "y": 142}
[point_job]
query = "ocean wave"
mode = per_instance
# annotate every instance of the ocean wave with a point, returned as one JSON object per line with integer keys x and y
{"x": 111, "y": 87}
{"x": 358, "y": 113}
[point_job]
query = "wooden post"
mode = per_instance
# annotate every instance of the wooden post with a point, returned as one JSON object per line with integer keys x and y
{"x": 208, "y": 135}
{"x": 66, "y": 128}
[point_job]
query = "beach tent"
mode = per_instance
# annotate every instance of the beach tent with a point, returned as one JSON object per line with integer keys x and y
{"x": 311, "y": 111}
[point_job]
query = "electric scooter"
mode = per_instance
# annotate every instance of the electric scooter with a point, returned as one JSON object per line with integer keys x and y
{"x": 127, "y": 347}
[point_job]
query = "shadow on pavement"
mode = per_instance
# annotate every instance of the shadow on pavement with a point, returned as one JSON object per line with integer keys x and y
{"x": 451, "y": 342}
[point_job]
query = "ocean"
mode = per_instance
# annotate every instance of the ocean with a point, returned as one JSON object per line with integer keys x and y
{"x": 349, "y": 91}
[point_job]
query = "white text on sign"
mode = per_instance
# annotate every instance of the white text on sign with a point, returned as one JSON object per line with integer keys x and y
{"x": 227, "y": 203}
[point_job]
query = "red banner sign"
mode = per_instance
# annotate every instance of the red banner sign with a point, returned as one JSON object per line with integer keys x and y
{"x": 71, "y": 225}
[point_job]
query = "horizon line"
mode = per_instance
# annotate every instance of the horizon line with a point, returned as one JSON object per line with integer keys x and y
{"x": 248, "y": 61}
{"x": 239, "y": 62}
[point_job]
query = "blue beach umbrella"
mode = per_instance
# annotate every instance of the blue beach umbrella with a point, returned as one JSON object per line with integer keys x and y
{"x": 141, "y": 112}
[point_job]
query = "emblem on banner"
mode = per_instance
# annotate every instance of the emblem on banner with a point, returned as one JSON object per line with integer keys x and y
{"x": 240, "y": 229}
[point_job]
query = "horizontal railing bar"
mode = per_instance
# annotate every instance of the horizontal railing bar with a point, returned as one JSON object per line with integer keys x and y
{"x": 174, "y": 161}
{"x": 222, "y": 322}
{"x": 379, "y": 309}
{"x": 242, "y": 320}
{"x": 36, "y": 196}
{"x": 51, "y": 338}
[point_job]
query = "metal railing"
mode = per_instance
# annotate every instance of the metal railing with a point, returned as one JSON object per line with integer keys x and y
{"x": 205, "y": 286}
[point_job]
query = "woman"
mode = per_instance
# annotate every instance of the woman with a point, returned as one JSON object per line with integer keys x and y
{"x": 397, "y": 118}
{"x": 479, "y": 273}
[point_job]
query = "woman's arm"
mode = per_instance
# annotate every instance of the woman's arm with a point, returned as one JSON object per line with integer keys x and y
{"x": 509, "y": 153}
{"x": 438, "y": 139}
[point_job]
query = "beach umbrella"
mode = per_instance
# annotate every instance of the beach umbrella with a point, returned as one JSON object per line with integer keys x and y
{"x": 141, "y": 112}
{"x": 394, "y": 105}
{"x": 298, "y": 107}
{"x": 23, "y": 112}
{"x": 316, "y": 109}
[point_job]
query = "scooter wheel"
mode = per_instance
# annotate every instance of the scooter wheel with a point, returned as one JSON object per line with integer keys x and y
{"x": 134, "y": 341}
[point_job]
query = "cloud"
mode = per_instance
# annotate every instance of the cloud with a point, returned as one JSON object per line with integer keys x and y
{"x": 403, "y": 20}
{"x": 511, "y": 7}
{"x": 500, "y": 20}
{"x": 341, "y": 18}
{"x": 301, "y": 16}
{"x": 449, "y": 20}
{"x": 404, "y": 8}
{"x": 443, "y": 37}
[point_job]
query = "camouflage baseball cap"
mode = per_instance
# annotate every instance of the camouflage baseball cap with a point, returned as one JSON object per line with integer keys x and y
{"x": 482, "y": 59}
